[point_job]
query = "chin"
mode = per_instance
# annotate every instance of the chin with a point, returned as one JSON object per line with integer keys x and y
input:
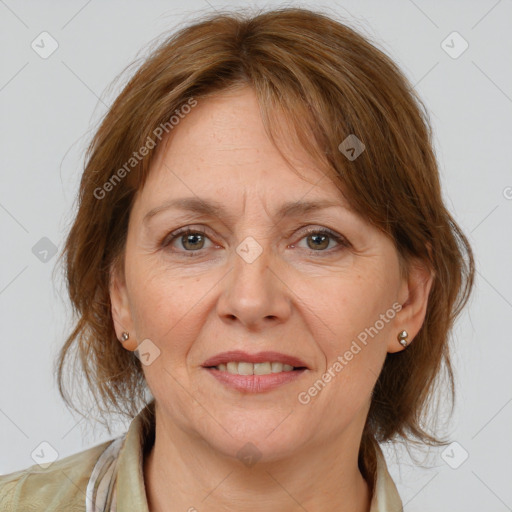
{"x": 267, "y": 437}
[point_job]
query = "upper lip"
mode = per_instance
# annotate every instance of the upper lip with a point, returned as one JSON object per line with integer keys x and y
{"x": 259, "y": 357}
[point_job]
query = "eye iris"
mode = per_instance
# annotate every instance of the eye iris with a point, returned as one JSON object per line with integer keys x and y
{"x": 318, "y": 237}
{"x": 192, "y": 238}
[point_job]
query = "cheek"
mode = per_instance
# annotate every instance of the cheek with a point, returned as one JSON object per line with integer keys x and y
{"x": 162, "y": 301}
{"x": 356, "y": 321}
{"x": 348, "y": 329}
{"x": 371, "y": 316}
{"x": 349, "y": 307}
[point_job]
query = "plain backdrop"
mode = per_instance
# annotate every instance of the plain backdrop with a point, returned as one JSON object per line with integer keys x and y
{"x": 453, "y": 52}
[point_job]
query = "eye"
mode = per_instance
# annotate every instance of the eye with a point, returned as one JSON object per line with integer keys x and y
{"x": 191, "y": 241}
{"x": 188, "y": 239}
{"x": 319, "y": 240}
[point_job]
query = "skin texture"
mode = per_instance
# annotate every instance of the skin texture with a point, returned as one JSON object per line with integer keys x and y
{"x": 294, "y": 298}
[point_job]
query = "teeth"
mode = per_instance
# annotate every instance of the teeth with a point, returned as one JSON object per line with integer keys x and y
{"x": 244, "y": 368}
{"x": 232, "y": 367}
{"x": 277, "y": 367}
{"x": 262, "y": 368}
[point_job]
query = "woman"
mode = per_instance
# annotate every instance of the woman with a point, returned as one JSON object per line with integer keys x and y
{"x": 261, "y": 243}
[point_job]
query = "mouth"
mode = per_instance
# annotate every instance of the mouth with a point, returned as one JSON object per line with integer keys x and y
{"x": 262, "y": 363}
{"x": 254, "y": 373}
{"x": 247, "y": 368}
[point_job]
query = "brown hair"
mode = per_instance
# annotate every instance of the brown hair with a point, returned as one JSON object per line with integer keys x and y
{"x": 330, "y": 82}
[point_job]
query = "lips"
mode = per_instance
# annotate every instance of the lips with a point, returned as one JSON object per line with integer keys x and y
{"x": 259, "y": 357}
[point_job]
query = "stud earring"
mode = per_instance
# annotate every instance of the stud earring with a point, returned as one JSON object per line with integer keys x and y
{"x": 125, "y": 336}
{"x": 402, "y": 338}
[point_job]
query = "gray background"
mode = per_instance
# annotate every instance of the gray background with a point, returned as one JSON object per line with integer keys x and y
{"x": 51, "y": 106}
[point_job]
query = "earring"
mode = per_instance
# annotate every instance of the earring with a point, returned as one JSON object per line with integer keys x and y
{"x": 402, "y": 338}
{"x": 125, "y": 336}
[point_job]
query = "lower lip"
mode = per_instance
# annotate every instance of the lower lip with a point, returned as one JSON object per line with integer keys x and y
{"x": 255, "y": 383}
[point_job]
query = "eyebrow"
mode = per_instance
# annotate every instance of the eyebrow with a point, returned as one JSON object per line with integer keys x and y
{"x": 216, "y": 209}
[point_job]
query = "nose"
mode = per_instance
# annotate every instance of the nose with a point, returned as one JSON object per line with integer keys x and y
{"x": 254, "y": 294}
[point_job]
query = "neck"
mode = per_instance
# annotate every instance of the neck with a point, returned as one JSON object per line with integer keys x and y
{"x": 183, "y": 473}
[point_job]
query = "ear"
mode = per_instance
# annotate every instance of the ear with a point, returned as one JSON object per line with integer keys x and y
{"x": 120, "y": 307}
{"x": 413, "y": 296}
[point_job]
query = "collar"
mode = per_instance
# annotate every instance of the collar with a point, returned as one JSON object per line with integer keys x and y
{"x": 385, "y": 494}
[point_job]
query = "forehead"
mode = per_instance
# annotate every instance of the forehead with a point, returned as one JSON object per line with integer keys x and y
{"x": 221, "y": 149}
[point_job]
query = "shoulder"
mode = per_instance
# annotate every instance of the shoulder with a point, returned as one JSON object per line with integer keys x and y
{"x": 61, "y": 486}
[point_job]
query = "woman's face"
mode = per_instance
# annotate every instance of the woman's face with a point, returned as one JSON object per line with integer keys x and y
{"x": 320, "y": 285}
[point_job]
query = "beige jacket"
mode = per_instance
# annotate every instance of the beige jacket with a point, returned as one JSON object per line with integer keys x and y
{"x": 108, "y": 478}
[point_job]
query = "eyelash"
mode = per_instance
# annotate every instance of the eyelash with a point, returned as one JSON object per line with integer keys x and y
{"x": 340, "y": 240}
